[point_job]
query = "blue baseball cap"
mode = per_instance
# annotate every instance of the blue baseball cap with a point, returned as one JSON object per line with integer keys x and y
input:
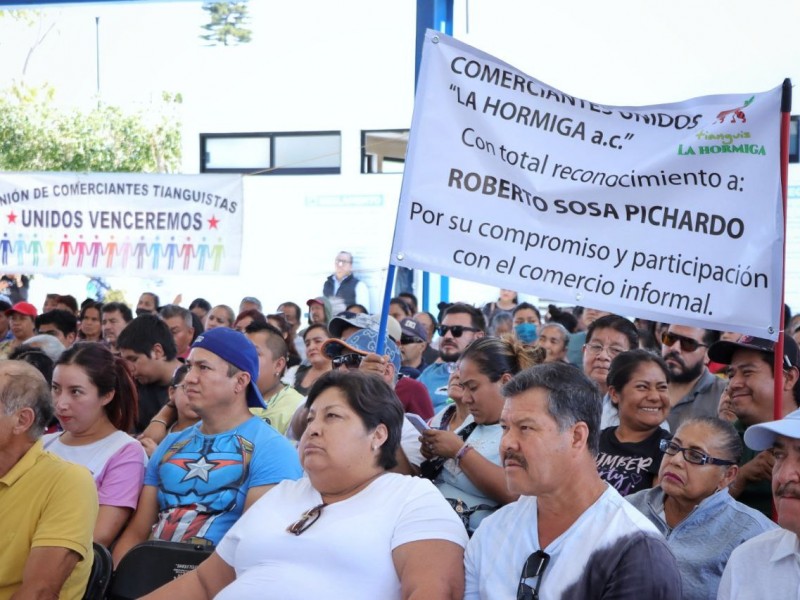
{"x": 234, "y": 347}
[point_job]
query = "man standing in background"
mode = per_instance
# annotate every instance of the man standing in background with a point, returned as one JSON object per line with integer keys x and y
{"x": 343, "y": 284}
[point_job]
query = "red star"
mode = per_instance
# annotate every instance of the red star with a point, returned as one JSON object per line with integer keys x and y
{"x": 12, "y": 218}
{"x": 212, "y": 222}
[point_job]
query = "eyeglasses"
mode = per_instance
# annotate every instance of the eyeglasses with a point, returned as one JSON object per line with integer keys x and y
{"x": 407, "y": 339}
{"x": 340, "y": 261}
{"x": 351, "y": 361}
{"x": 687, "y": 343}
{"x": 306, "y": 520}
{"x": 456, "y": 330}
{"x": 534, "y": 567}
{"x": 691, "y": 455}
{"x": 597, "y": 348}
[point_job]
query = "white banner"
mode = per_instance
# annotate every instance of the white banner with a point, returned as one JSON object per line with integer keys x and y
{"x": 120, "y": 224}
{"x": 670, "y": 212}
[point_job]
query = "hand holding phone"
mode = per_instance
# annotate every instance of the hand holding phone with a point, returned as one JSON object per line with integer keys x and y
{"x": 418, "y": 422}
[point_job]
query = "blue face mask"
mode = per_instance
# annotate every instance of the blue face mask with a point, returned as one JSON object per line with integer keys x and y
{"x": 526, "y": 333}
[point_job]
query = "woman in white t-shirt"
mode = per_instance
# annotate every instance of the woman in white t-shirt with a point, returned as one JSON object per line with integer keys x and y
{"x": 95, "y": 400}
{"x": 350, "y": 529}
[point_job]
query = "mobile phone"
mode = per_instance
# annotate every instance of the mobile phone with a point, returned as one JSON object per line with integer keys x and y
{"x": 417, "y": 422}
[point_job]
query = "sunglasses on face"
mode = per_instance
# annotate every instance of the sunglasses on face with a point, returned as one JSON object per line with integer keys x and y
{"x": 306, "y": 520}
{"x": 407, "y": 339}
{"x": 456, "y": 330}
{"x": 691, "y": 455}
{"x": 351, "y": 361}
{"x": 533, "y": 569}
{"x": 687, "y": 344}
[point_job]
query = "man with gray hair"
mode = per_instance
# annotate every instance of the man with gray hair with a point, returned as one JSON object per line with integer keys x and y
{"x": 49, "y": 504}
{"x": 570, "y": 535}
{"x": 181, "y": 326}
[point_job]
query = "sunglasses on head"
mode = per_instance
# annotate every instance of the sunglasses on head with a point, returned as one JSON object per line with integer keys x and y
{"x": 687, "y": 343}
{"x": 456, "y": 330}
{"x": 351, "y": 361}
{"x": 533, "y": 569}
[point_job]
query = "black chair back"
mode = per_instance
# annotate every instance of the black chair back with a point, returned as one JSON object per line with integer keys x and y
{"x": 152, "y": 564}
{"x": 100, "y": 575}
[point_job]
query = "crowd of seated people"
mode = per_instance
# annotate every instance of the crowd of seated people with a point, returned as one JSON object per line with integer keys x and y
{"x": 281, "y": 444}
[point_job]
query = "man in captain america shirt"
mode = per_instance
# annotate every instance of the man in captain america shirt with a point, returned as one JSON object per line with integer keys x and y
{"x": 201, "y": 479}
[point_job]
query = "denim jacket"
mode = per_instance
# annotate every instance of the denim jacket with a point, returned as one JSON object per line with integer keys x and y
{"x": 704, "y": 540}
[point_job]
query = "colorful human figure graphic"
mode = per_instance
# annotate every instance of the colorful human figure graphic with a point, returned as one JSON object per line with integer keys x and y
{"x": 35, "y": 249}
{"x": 50, "y": 250}
{"x": 125, "y": 251}
{"x": 140, "y": 252}
{"x": 171, "y": 252}
{"x": 80, "y": 250}
{"x": 155, "y": 253}
{"x": 19, "y": 249}
{"x": 188, "y": 252}
{"x": 111, "y": 252}
{"x": 65, "y": 249}
{"x": 5, "y": 248}
{"x": 217, "y": 252}
{"x": 202, "y": 253}
{"x": 96, "y": 251}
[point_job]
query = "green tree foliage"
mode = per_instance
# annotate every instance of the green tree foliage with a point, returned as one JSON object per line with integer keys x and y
{"x": 36, "y": 135}
{"x": 228, "y": 23}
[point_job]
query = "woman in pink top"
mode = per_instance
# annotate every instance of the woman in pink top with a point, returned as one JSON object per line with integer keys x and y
{"x": 96, "y": 403}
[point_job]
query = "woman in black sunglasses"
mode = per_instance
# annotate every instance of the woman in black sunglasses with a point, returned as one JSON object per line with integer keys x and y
{"x": 691, "y": 505}
{"x": 471, "y": 477}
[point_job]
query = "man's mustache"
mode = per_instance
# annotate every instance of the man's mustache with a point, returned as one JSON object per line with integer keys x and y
{"x": 788, "y": 490}
{"x": 517, "y": 458}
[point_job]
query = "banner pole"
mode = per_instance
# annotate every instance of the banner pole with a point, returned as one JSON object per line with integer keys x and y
{"x": 786, "y": 110}
{"x": 387, "y": 296}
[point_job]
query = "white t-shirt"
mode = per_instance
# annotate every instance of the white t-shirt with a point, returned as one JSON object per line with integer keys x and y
{"x": 346, "y": 553}
{"x": 611, "y": 547}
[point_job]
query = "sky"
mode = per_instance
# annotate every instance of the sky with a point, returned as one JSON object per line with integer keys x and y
{"x": 349, "y": 65}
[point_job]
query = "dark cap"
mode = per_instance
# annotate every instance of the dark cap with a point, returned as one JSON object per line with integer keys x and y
{"x": 234, "y": 347}
{"x": 722, "y": 352}
{"x": 413, "y": 328}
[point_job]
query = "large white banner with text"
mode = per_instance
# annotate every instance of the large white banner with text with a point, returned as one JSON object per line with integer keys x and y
{"x": 670, "y": 212}
{"x": 120, "y": 224}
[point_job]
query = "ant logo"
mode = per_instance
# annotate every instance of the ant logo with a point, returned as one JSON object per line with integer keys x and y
{"x": 735, "y": 113}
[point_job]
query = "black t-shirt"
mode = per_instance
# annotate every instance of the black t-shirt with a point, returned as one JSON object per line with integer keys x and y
{"x": 629, "y": 466}
{"x": 152, "y": 397}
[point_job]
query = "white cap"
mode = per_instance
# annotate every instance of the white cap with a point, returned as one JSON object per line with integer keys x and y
{"x": 762, "y": 436}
